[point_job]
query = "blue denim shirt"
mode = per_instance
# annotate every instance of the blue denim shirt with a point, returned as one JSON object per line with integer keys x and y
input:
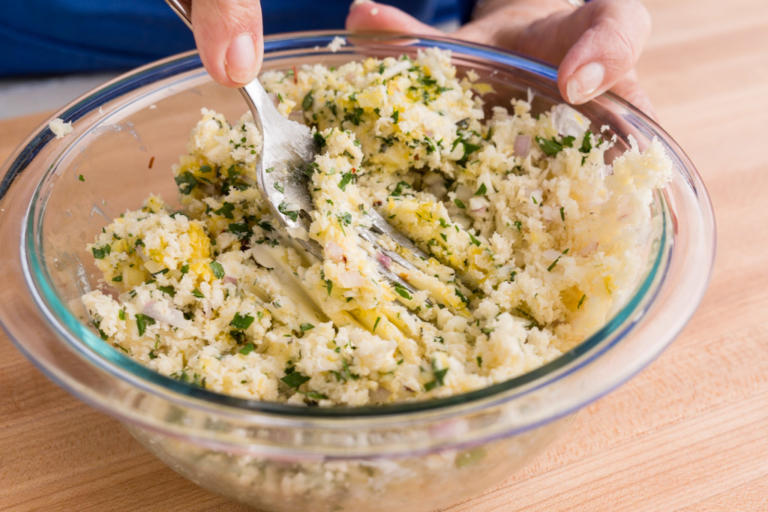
{"x": 60, "y": 36}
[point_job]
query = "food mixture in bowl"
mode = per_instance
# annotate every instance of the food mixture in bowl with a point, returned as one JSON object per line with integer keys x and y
{"x": 533, "y": 242}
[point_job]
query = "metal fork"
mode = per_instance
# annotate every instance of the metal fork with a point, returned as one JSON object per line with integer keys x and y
{"x": 288, "y": 148}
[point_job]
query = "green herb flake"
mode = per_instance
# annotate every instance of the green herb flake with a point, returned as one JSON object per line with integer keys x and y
{"x": 294, "y": 379}
{"x": 458, "y": 202}
{"x": 346, "y": 179}
{"x": 186, "y": 182}
{"x": 403, "y": 291}
{"x": 376, "y": 323}
{"x": 581, "y": 301}
{"x": 118, "y": 279}
{"x": 319, "y": 140}
{"x": 121, "y": 314}
{"x": 438, "y": 377}
{"x": 306, "y": 327}
{"x": 170, "y": 290}
{"x": 81, "y": 177}
{"x": 241, "y": 321}
{"x": 197, "y": 293}
{"x": 308, "y": 101}
{"x": 481, "y": 190}
{"x": 279, "y": 187}
{"x": 291, "y": 214}
{"x": 241, "y": 229}
{"x": 247, "y": 349}
{"x": 217, "y": 269}
{"x": 100, "y": 252}
{"x": 586, "y": 142}
{"x": 552, "y": 265}
{"x": 314, "y": 395}
{"x": 184, "y": 268}
{"x": 142, "y": 321}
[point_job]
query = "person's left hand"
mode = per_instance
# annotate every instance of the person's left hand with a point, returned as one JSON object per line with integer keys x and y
{"x": 594, "y": 46}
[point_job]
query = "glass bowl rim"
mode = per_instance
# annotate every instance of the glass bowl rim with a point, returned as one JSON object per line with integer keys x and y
{"x": 107, "y": 358}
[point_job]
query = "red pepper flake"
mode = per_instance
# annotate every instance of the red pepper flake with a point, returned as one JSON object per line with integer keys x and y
{"x": 353, "y": 171}
{"x": 295, "y": 75}
{"x": 151, "y": 162}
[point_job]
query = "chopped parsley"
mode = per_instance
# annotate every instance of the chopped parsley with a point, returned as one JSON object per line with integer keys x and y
{"x": 481, "y": 190}
{"x": 319, "y": 140}
{"x": 438, "y": 377}
{"x": 458, "y": 202}
{"x": 169, "y": 290}
{"x": 197, "y": 293}
{"x": 552, "y": 146}
{"x": 306, "y": 327}
{"x": 294, "y": 379}
{"x": 291, "y": 214}
{"x": 100, "y": 252}
{"x": 142, "y": 321}
{"x": 186, "y": 182}
{"x": 247, "y": 349}
{"x": 398, "y": 190}
{"x": 552, "y": 265}
{"x": 241, "y": 321}
{"x": 217, "y": 269}
{"x": 241, "y": 229}
{"x": 403, "y": 291}
{"x": 308, "y": 101}
{"x": 346, "y": 179}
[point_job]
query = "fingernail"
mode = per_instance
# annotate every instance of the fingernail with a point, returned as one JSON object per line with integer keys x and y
{"x": 240, "y": 59}
{"x": 585, "y": 82}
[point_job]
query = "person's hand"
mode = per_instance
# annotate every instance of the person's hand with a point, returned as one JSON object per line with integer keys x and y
{"x": 595, "y": 46}
{"x": 229, "y": 36}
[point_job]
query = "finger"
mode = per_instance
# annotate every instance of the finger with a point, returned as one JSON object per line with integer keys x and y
{"x": 629, "y": 89}
{"x": 371, "y": 16}
{"x": 606, "y": 51}
{"x": 229, "y": 37}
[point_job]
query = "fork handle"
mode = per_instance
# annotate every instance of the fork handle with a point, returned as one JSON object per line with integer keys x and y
{"x": 183, "y": 8}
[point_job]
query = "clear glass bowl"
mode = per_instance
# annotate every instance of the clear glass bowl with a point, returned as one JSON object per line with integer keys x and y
{"x": 411, "y": 456}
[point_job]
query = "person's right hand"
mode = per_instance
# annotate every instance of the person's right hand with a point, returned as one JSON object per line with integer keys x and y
{"x": 229, "y": 37}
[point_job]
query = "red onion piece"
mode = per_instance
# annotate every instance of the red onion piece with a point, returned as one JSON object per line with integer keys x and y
{"x": 522, "y": 145}
{"x": 384, "y": 260}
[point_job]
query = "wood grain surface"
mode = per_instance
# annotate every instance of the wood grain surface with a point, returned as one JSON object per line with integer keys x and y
{"x": 689, "y": 433}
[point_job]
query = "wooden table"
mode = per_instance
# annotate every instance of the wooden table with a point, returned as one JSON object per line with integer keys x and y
{"x": 689, "y": 433}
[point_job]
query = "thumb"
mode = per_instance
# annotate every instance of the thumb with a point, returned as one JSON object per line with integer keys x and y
{"x": 371, "y": 16}
{"x": 229, "y": 37}
{"x": 606, "y": 51}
